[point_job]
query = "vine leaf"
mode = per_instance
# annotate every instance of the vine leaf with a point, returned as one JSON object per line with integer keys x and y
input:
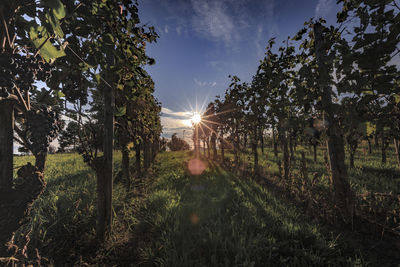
{"x": 55, "y": 24}
{"x": 120, "y": 111}
{"x": 40, "y": 38}
{"x": 56, "y": 6}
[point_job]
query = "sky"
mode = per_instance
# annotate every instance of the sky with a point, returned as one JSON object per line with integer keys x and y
{"x": 202, "y": 42}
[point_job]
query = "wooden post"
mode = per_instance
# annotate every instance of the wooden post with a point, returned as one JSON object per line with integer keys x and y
{"x": 315, "y": 150}
{"x": 254, "y": 142}
{"x": 214, "y": 145}
{"x": 6, "y": 144}
{"x": 334, "y": 143}
{"x": 222, "y": 150}
{"x": 105, "y": 179}
{"x": 146, "y": 153}
{"x": 196, "y": 141}
{"x": 138, "y": 159}
{"x": 285, "y": 149}
{"x": 125, "y": 164}
{"x": 397, "y": 150}
{"x": 383, "y": 147}
{"x": 261, "y": 136}
{"x": 275, "y": 143}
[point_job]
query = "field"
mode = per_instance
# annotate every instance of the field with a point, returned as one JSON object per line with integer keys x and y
{"x": 174, "y": 218}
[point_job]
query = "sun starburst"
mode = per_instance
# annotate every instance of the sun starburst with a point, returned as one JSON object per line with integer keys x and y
{"x": 196, "y": 118}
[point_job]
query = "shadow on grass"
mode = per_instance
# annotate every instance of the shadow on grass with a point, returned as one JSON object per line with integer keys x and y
{"x": 379, "y": 172}
{"x": 70, "y": 180}
{"x": 216, "y": 219}
{"x": 63, "y": 219}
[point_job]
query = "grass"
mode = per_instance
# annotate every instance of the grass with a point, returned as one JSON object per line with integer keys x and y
{"x": 179, "y": 219}
{"x": 369, "y": 174}
{"x": 62, "y": 224}
{"x": 216, "y": 219}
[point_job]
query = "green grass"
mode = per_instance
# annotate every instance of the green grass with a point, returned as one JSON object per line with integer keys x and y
{"x": 369, "y": 174}
{"x": 63, "y": 219}
{"x": 178, "y": 219}
{"x": 216, "y": 219}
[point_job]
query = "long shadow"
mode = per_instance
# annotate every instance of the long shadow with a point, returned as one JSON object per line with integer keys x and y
{"x": 187, "y": 232}
{"x": 217, "y": 219}
{"x": 69, "y": 179}
{"x": 381, "y": 172}
{"x": 377, "y": 179}
{"x": 63, "y": 219}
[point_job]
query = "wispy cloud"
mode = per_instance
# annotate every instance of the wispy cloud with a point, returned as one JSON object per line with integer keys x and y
{"x": 178, "y": 30}
{"x": 172, "y": 123}
{"x": 258, "y": 40}
{"x": 218, "y": 65}
{"x": 323, "y": 8}
{"x": 176, "y": 122}
{"x": 213, "y": 21}
{"x": 222, "y": 21}
{"x": 204, "y": 83}
{"x": 170, "y": 113}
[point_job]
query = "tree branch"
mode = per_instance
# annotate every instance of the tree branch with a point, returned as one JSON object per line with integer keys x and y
{"x": 5, "y": 27}
{"x": 21, "y": 100}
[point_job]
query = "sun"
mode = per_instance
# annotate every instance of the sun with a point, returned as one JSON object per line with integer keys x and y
{"x": 196, "y": 118}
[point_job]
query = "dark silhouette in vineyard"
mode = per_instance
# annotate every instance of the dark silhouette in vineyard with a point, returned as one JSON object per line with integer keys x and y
{"x": 177, "y": 144}
{"x": 24, "y": 110}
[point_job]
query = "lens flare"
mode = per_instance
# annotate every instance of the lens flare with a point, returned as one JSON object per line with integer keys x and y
{"x": 196, "y": 118}
{"x": 196, "y": 166}
{"x": 194, "y": 218}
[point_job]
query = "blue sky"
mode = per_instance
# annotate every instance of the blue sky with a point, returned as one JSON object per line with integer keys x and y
{"x": 203, "y": 41}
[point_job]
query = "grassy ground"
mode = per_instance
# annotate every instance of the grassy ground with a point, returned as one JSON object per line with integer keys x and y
{"x": 216, "y": 219}
{"x": 369, "y": 174}
{"x": 62, "y": 222}
{"x": 180, "y": 219}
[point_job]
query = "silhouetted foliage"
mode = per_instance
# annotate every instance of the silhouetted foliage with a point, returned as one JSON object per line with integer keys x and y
{"x": 177, "y": 143}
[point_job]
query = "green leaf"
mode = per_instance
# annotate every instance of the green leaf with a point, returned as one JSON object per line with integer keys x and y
{"x": 85, "y": 66}
{"x": 120, "y": 111}
{"x": 41, "y": 39}
{"x": 56, "y": 6}
{"x": 97, "y": 77}
{"x": 59, "y": 94}
{"x": 299, "y": 35}
{"x": 55, "y": 25}
{"x": 109, "y": 39}
{"x": 397, "y": 98}
{"x": 370, "y": 128}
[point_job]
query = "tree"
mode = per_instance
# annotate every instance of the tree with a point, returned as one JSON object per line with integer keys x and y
{"x": 323, "y": 39}
{"x": 26, "y": 51}
{"x": 210, "y": 126}
{"x": 221, "y": 120}
{"x": 106, "y": 52}
{"x": 255, "y": 110}
{"x": 68, "y": 137}
{"x": 275, "y": 71}
{"x": 177, "y": 144}
{"x": 353, "y": 126}
{"x": 233, "y": 104}
{"x": 365, "y": 63}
